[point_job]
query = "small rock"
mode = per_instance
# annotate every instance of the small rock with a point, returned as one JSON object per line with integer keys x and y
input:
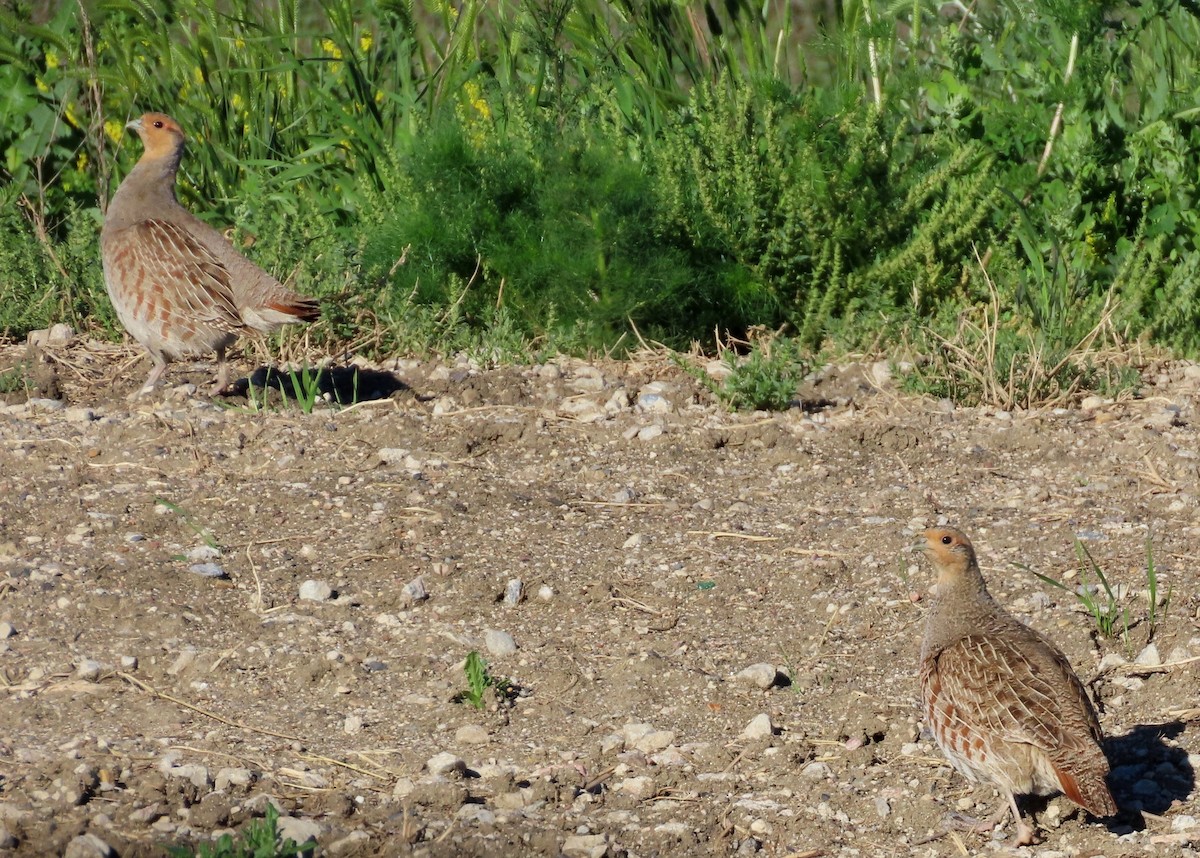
{"x": 1110, "y": 661}
{"x": 649, "y": 433}
{"x": 1183, "y": 822}
{"x": 350, "y": 843}
{"x": 129, "y": 662}
{"x": 545, "y": 592}
{"x": 7, "y": 839}
{"x": 585, "y": 846}
{"x": 201, "y": 553}
{"x": 353, "y": 725}
{"x": 300, "y": 830}
{"x": 499, "y": 643}
{"x": 632, "y": 733}
{"x": 445, "y": 763}
{"x": 674, "y": 829}
{"x": 315, "y": 591}
{"x": 147, "y": 814}
{"x": 392, "y": 455}
{"x": 612, "y": 742}
{"x": 79, "y": 415}
{"x": 194, "y": 773}
{"x": 655, "y": 740}
{"x": 208, "y": 570}
{"x": 749, "y": 846}
{"x": 413, "y": 592}
{"x": 471, "y": 734}
{"x": 88, "y": 670}
{"x": 634, "y": 541}
{"x": 514, "y": 591}
{"x": 761, "y": 675}
{"x": 638, "y": 787}
{"x": 882, "y": 807}
{"x": 60, "y": 334}
{"x": 233, "y": 777}
{"x": 182, "y": 662}
{"x": 7, "y": 630}
{"x": 816, "y": 771}
{"x": 760, "y": 727}
{"x": 88, "y": 846}
{"x": 1091, "y": 403}
{"x": 1149, "y": 656}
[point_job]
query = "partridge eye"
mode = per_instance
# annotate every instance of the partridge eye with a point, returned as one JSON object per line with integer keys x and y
{"x": 946, "y": 540}
{"x": 158, "y": 124}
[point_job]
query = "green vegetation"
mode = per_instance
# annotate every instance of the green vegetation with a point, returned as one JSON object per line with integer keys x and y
{"x": 480, "y": 679}
{"x": 259, "y": 839}
{"x": 765, "y": 378}
{"x": 1101, "y": 601}
{"x": 1005, "y": 189}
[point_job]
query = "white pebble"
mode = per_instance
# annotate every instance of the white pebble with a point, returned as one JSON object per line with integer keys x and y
{"x": 352, "y": 725}
{"x": 545, "y": 592}
{"x": 514, "y": 591}
{"x": 315, "y": 591}
{"x": 471, "y": 734}
{"x": 88, "y": 669}
{"x": 1149, "y": 656}
{"x": 7, "y": 630}
{"x": 445, "y": 763}
{"x": 499, "y": 643}
{"x": 761, "y": 675}
{"x": 760, "y": 727}
{"x": 585, "y": 846}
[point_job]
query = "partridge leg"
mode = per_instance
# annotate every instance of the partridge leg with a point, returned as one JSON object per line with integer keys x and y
{"x": 156, "y": 374}
{"x": 222, "y": 373}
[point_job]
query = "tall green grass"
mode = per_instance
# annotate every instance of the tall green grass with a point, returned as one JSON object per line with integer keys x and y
{"x": 553, "y": 173}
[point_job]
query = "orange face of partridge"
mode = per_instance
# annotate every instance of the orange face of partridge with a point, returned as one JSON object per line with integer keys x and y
{"x": 950, "y": 552}
{"x": 161, "y": 135}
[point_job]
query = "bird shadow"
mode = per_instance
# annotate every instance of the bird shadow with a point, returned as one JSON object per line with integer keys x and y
{"x": 344, "y": 385}
{"x": 1148, "y": 773}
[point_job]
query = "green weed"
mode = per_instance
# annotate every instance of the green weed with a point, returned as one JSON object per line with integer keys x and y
{"x": 480, "y": 679}
{"x": 765, "y": 378}
{"x": 1152, "y": 610}
{"x": 204, "y": 533}
{"x": 259, "y": 839}
{"x": 1110, "y": 617}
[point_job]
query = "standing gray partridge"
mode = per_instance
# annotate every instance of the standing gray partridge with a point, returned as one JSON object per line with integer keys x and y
{"x": 1002, "y": 701}
{"x": 177, "y": 284}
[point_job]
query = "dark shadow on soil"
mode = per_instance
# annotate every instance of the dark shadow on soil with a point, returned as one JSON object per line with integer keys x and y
{"x": 342, "y": 384}
{"x": 1148, "y": 774}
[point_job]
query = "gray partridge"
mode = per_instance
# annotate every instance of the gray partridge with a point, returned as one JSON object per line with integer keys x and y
{"x": 177, "y": 284}
{"x": 1002, "y": 701}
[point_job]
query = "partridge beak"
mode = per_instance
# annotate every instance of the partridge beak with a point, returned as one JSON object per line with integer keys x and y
{"x": 135, "y": 124}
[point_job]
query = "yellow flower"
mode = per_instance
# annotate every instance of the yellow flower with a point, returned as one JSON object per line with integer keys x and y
{"x": 51, "y": 60}
{"x": 81, "y": 162}
{"x": 379, "y": 96}
{"x": 237, "y": 101}
{"x": 239, "y": 43}
{"x": 198, "y": 76}
{"x": 330, "y": 48}
{"x": 71, "y": 116}
{"x": 113, "y": 129}
{"x": 475, "y": 97}
{"x": 365, "y": 41}
{"x": 41, "y": 85}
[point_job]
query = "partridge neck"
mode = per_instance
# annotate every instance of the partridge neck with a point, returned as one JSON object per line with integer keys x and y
{"x": 960, "y": 607}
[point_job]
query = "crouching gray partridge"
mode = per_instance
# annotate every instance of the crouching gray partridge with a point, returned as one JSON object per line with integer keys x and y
{"x": 1002, "y": 701}
{"x": 177, "y": 284}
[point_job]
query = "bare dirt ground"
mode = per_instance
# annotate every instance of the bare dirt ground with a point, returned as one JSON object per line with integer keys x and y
{"x": 163, "y": 679}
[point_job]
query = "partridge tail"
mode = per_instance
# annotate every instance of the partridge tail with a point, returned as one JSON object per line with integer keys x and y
{"x": 1088, "y": 790}
{"x": 297, "y": 307}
